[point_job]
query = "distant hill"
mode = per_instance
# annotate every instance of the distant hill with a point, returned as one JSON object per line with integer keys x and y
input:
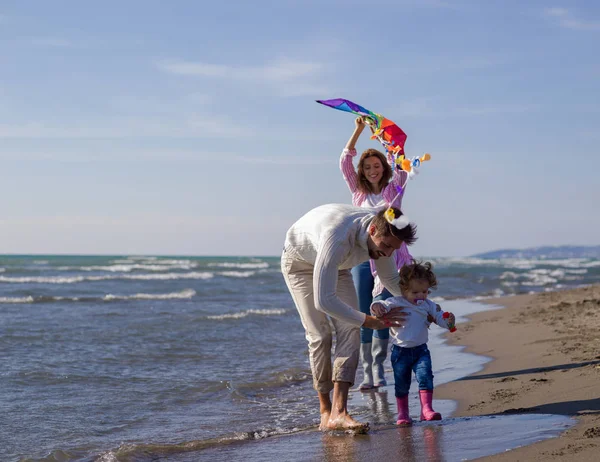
{"x": 548, "y": 252}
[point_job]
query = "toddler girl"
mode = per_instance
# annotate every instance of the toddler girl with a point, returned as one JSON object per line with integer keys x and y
{"x": 410, "y": 352}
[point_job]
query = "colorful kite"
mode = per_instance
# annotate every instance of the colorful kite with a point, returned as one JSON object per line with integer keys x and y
{"x": 387, "y": 132}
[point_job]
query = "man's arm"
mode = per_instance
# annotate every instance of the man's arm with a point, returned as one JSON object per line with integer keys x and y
{"x": 325, "y": 278}
{"x": 388, "y": 273}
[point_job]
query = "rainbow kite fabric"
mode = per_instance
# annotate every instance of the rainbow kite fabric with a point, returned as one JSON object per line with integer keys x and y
{"x": 387, "y": 132}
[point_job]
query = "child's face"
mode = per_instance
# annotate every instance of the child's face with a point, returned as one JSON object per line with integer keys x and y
{"x": 418, "y": 290}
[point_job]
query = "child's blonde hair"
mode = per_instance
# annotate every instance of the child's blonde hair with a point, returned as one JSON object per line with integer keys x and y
{"x": 417, "y": 270}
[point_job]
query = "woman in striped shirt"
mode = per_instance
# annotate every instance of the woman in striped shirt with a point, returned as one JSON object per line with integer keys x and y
{"x": 374, "y": 185}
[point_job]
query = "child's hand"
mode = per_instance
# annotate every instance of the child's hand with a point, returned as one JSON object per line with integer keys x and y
{"x": 451, "y": 320}
{"x": 377, "y": 309}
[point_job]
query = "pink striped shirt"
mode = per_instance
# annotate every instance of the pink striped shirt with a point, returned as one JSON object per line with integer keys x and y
{"x": 388, "y": 194}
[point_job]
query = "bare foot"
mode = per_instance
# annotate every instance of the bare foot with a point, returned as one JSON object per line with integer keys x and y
{"x": 346, "y": 422}
{"x": 324, "y": 420}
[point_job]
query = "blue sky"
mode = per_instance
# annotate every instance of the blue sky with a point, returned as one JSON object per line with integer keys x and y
{"x": 190, "y": 127}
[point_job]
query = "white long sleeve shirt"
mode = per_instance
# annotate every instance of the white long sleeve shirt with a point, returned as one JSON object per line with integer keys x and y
{"x": 334, "y": 237}
{"x": 415, "y": 331}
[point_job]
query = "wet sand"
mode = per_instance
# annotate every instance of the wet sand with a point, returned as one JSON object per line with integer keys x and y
{"x": 490, "y": 419}
{"x": 526, "y": 388}
{"x": 546, "y": 360}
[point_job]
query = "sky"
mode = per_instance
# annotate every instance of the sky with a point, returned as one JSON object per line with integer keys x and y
{"x": 191, "y": 128}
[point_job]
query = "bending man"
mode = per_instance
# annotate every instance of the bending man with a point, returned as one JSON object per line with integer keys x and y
{"x": 319, "y": 251}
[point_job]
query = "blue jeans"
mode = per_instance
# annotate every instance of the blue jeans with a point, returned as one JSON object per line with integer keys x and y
{"x": 363, "y": 281}
{"x": 406, "y": 360}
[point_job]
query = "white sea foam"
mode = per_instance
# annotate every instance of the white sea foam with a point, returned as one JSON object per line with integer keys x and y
{"x": 468, "y": 261}
{"x": 122, "y": 268}
{"x": 243, "y": 314}
{"x": 576, "y": 271}
{"x": 539, "y": 280}
{"x": 73, "y": 279}
{"x": 509, "y": 275}
{"x": 186, "y": 293}
{"x": 238, "y": 274}
{"x": 256, "y": 265}
{"x": 519, "y": 264}
{"x": 28, "y": 299}
{"x": 167, "y": 276}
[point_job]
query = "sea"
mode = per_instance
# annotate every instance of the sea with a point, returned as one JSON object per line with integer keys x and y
{"x": 144, "y": 358}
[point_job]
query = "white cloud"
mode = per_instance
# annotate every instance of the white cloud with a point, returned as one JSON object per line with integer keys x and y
{"x": 144, "y": 233}
{"x": 192, "y": 125}
{"x": 291, "y": 77}
{"x": 277, "y": 160}
{"x": 567, "y": 19}
{"x": 50, "y": 42}
{"x": 495, "y": 109}
{"x": 429, "y": 107}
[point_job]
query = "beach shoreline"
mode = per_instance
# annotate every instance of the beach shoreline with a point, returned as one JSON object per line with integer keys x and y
{"x": 545, "y": 351}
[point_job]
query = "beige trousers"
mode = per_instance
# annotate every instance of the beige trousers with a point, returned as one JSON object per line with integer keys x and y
{"x": 298, "y": 276}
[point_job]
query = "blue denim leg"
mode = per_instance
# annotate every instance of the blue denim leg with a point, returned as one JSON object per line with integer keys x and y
{"x": 423, "y": 369}
{"x": 402, "y": 363}
{"x": 363, "y": 281}
{"x": 383, "y": 334}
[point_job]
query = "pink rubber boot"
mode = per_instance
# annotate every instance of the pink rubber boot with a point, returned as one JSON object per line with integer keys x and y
{"x": 427, "y": 412}
{"x": 403, "y": 416}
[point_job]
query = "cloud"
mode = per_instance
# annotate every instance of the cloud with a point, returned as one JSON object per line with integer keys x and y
{"x": 429, "y": 107}
{"x": 190, "y": 126}
{"x": 495, "y": 109}
{"x": 50, "y": 42}
{"x": 277, "y": 160}
{"x": 291, "y": 77}
{"x": 143, "y": 233}
{"x": 567, "y": 20}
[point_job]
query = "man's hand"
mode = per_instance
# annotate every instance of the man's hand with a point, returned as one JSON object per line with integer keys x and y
{"x": 371, "y": 322}
{"x": 395, "y": 318}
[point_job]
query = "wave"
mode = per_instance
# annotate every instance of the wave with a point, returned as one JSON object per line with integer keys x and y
{"x": 517, "y": 263}
{"x": 238, "y": 274}
{"x": 243, "y": 314}
{"x": 257, "y": 265}
{"x": 184, "y": 294}
{"x": 74, "y": 279}
{"x": 153, "y": 451}
{"x": 28, "y": 299}
{"x": 187, "y": 293}
{"x": 127, "y": 268}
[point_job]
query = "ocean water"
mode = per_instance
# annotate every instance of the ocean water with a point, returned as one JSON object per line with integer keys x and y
{"x": 132, "y": 358}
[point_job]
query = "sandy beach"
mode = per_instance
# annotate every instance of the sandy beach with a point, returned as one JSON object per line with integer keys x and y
{"x": 546, "y": 360}
{"x": 544, "y": 370}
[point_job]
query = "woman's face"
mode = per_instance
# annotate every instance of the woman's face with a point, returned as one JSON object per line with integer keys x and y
{"x": 373, "y": 170}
